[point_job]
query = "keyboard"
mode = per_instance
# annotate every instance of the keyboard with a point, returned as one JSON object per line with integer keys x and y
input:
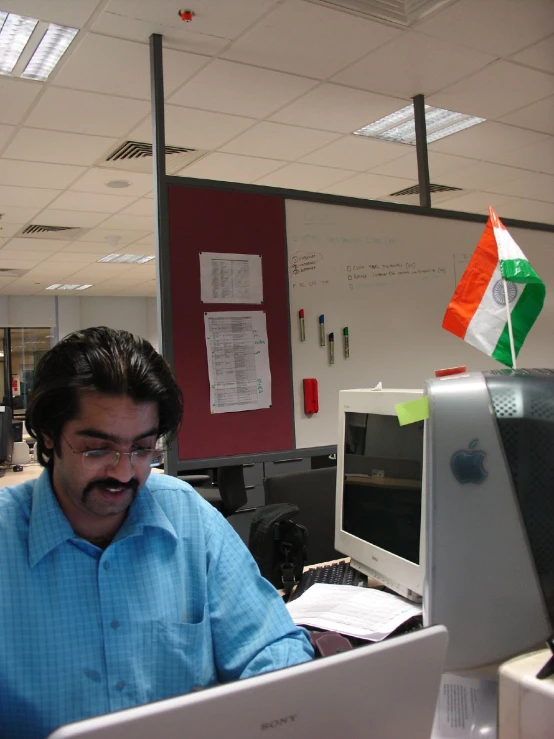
{"x": 339, "y": 573}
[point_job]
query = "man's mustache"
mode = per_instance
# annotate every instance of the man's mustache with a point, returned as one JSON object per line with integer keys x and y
{"x": 110, "y": 482}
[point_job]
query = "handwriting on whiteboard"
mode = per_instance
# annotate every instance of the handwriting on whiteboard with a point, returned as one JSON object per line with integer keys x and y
{"x": 378, "y": 274}
{"x": 303, "y": 261}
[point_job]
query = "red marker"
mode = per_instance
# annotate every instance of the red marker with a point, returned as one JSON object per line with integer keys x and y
{"x": 450, "y": 371}
{"x": 302, "y": 327}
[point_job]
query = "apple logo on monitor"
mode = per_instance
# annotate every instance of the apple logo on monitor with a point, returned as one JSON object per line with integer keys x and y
{"x": 467, "y": 464}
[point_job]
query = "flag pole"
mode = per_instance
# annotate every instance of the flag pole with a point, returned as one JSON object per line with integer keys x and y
{"x": 510, "y": 332}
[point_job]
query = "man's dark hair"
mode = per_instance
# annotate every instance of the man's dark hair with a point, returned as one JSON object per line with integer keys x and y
{"x": 98, "y": 360}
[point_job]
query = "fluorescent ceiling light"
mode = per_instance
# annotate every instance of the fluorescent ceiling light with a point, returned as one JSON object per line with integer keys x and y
{"x": 400, "y": 126}
{"x": 59, "y": 286}
{"x": 48, "y": 53}
{"x": 127, "y": 258}
{"x": 15, "y": 31}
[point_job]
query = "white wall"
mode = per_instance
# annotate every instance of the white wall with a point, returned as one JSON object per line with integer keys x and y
{"x": 138, "y": 315}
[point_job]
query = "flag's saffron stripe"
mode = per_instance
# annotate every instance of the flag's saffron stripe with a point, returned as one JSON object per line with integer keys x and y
{"x": 473, "y": 285}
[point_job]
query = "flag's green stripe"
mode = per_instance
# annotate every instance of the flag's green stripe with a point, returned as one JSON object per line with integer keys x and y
{"x": 523, "y": 317}
{"x": 519, "y": 270}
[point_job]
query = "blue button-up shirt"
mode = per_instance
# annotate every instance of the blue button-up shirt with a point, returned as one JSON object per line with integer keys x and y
{"x": 175, "y": 602}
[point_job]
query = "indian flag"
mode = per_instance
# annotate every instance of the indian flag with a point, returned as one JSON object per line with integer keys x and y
{"x": 477, "y": 312}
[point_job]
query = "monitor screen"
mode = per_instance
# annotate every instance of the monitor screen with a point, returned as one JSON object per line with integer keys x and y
{"x": 379, "y": 502}
{"x": 382, "y": 482}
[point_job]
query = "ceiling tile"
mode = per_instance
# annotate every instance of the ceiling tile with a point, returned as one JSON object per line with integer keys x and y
{"x": 112, "y": 24}
{"x": 413, "y": 64}
{"x": 227, "y": 87}
{"x": 86, "y": 112}
{"x": 36, "y": 145}
{"x": 99, "y": 272}
{"x": 489, "y": 141}
{"x": 93, "y": 202}
{"x": 64, "y": 12}
{"x": 537, "y": 116}
{"x": 479, "y": 176}
{"x": 129, "y": 222}
{"x": 77, "y": 257}
{"x": 7, "y": 230}
{"x": 143, "y": 207}
{"x": 5, "y": 133}
{"x": 46, "y": 246}
{"x": 37, "y": 174}
{"x": 15, "y": 214}
{"x": 95, "y": 179}
{"x": 20, "y": 94}
{"x": 336, "y": 108}
{"x": 230, "y": 168}
{"x": 26, "y": 197}
{"x": 538, "y": 157}
{"x": 145, "y": 289}
{"x": 406, "y": 166}
{"x": 355, "y": 152}
{"x": 304, "y": 177}
{"x": 277, "y": 141}
{"x": 75, "y": 219}
{"x": 499, "y": 27}
{"x": 494, "y": 91}
{"x": 475, "y": 202}
{"x": 9, "y": 260}
{"x": 308, "y": 40}
{"x": 369, "y": 186}
{"x": 539, "y": 56}
{"x": 105, "y": 235}
{"x": 214, "y": 25}
{"x": 197, "y": 129}
{"x": 528, "y": 210}
{"x": 532, "y": 186}
{"x": 118, "y": 67}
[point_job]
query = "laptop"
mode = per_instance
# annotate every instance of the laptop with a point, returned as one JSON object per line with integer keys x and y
{"x": 387, "y": 690}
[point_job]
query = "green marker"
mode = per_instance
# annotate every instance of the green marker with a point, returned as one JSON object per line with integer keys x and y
{"x": 346, "y": 342}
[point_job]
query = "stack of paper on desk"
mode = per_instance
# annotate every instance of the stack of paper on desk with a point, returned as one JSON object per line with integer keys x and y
{"x": 365, "y": 613}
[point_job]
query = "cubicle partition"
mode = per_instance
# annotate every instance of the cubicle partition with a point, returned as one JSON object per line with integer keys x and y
{"x": 383, "y": 272}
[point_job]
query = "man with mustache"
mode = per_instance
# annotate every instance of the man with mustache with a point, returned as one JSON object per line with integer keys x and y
{"x": 119, "y": 587}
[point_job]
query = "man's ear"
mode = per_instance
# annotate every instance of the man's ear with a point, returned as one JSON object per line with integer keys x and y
{"x": 48, "y": 442}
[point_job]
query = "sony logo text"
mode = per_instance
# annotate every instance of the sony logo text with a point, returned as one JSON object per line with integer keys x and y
{"x": 278, "y": 722}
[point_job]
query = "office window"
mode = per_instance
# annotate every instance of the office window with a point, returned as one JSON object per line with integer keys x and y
{"x": 22, "y": 349}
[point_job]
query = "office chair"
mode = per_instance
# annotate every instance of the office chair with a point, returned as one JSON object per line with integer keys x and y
{"x": 313, "y": 491}
{"x": 225, "y": 490}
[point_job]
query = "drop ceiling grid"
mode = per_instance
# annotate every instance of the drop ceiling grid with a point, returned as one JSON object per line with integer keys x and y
{"x": 285, "y": 44}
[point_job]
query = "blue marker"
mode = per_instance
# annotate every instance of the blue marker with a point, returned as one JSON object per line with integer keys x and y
{"x": 322, "y": 330}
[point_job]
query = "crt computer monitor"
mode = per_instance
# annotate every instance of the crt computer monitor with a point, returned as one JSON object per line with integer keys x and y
{"x": 489, "y": 494}
{"x": 379, "y": 518}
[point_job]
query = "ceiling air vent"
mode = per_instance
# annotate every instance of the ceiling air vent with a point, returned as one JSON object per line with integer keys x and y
{"x": 63, "y": 233}
{"x": 136, "y": 156}
{"x": 7, "y": 272}
{"x": 410, "y": 195}
{"x": 401, "y": 12}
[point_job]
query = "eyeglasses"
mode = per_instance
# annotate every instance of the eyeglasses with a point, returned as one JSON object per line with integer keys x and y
{"x": 94, "y": 459}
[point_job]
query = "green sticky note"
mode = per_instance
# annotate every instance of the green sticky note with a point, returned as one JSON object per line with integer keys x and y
{"x": 413, "y": 410}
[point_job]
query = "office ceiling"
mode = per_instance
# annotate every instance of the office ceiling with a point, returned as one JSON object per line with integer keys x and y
{"x": 266, "y": 92}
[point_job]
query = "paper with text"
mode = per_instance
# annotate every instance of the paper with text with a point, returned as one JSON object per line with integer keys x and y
{"x": 230, "y": 278}
{"x": 238, "y": 361}
{"x": 365, "y": 613}
{"x": 466, "y": 708}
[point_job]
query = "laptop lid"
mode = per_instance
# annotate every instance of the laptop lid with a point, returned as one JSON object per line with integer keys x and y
{"x": 380, "y": 691}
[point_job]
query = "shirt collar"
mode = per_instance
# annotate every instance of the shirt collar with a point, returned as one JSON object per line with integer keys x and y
{"x": 49, "y": 528}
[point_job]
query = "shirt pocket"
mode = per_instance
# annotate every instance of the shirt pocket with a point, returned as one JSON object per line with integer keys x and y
{"x": 183, "y": 655}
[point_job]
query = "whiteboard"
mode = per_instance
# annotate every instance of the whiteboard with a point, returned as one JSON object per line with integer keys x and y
{"x": 388, "y": 277}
